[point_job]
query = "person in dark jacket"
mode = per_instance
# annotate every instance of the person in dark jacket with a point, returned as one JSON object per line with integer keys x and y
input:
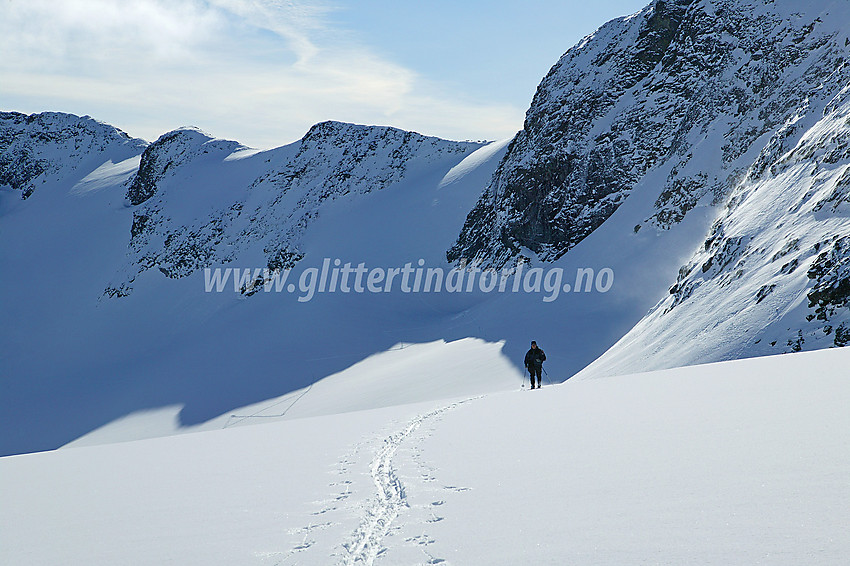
{"x": 534, "y": 359}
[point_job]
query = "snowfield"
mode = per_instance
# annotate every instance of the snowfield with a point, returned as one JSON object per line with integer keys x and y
{"x": 742, "y": 462}
{"x": 405, "y": 373}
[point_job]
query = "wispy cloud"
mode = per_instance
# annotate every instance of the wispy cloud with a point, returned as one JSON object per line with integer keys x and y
{"x": 258, "y": 71}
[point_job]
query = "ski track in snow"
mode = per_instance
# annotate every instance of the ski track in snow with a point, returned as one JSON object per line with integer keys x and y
{"x": 366, "y": 542}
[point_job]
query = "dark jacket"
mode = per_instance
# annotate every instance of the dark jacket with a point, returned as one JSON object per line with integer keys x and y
{"x": 535, "y": 358}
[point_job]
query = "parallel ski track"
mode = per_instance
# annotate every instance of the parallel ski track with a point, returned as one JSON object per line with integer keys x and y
{"x": 366, "y": 542}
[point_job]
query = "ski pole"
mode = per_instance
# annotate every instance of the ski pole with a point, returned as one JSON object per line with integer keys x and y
{"x": 547, "y": 376}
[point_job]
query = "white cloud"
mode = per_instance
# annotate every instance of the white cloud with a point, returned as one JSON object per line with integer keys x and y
{"x": 102, "y": 30}
{"x": 292, "y": 22}
{"x": 258, "y": 71}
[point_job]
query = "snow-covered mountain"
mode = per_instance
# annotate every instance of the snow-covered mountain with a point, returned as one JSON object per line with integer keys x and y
{"x": 201, "y": 201}
{"x": 45, "y": 148}
{"x": 678, "y": 192}
{"x": 734, "y": 104}
{"x": 690, "y": 91}
{"x": 108, "y": 308}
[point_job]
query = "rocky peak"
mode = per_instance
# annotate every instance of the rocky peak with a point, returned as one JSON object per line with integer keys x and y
{"x": 168, "y": 153}
{"x": 646, "y": 93}
{"x": 38, "y": 147}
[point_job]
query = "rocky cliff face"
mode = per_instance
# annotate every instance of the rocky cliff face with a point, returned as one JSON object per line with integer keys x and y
{"x": 688, "y": 90}
{"x": 41, "y": 148}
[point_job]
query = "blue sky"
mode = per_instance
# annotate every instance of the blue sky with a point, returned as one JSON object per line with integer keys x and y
{"x": 263, "y": 71}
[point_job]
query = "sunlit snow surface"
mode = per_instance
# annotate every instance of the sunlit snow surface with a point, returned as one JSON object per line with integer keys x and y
{"x": 741, "y": 462}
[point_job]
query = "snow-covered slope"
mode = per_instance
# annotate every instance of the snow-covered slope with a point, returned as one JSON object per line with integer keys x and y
{"x": 774, "y": 273}
{"x": 405, "y": 373}
{"x": 741, "y": 462}
{"x": 105, "y": 305}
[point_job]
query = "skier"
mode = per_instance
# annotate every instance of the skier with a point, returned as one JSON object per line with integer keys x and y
{"x": 534, "y": 359}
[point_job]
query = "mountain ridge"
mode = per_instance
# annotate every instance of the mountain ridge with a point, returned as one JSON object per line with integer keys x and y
{"x": 62, "y": 138}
